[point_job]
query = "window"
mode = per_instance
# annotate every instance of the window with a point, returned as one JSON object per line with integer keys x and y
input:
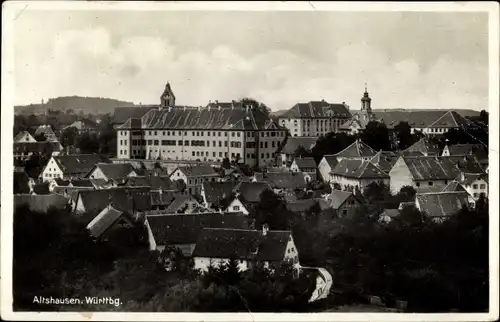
{"x": 475, "y": 194}
{"x": 149, "y": 132}
{"x": 214, "y": 154}
{"x": 232, "y": 134}
{"x": 186, "y": 143}
{"x": 430, "y": 183}
{"x": 220, "y": 154}
{"x": 150, "y": 142}
{"x": 225, "y": 133}
{"x": 193, "y": 154}
{"x": 214, "y": 143}
{"x": 262, "y": 155}
{"x": 156, "y": 142}
{"x": 201, "y": 133}
{"x": 208, "y": 142}
{"x": 474, "y": 186}
{"x": 482, "y": 186}
{"x": 238, "y": 134}
{"x": 225, "y": 144}
{"x": 418, "y": 184}
{"x": 179, "y": 143}
{"x": 208, "y": 133}
{"x": 156, "y": 133}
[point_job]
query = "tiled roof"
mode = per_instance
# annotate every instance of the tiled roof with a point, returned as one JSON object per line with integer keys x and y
{"x": 217, "y": 191}
{"x": 155, "y": 182}
{"x": 250, "y": 191}
{"x": 161, "y": 198}
{"x": 117, "y": 172}
{"x": 293, "y": 142}
{"x": 317, "y": 109}
{"x": 424, "y": 147}
{"x": 41, "y": 202}
{"x": 185, "y": 229}
{"x": 82, "y": 183}
{"x": 47, "y": 131}
{"x": 416, "y": 119}
{"x": 431, "y": 168}
{"x": 44, "y": 147}
{"x": 178, "y": 202}
{"x": 331, "y": 159}
{"x": 122, "y": 114}
{"x": 337, "y": 198}
{"x": 242, "y": 244}
{"x": 469, "y": 178}
{"x": 285, "y": 180}
{"x": 224, "y": 116}
{"x": 385, "y": 160}
{"x": 358, "y": 149}
{"x": 77, "y": 165}
{"x": 104, "y": 220}
{"x": 306, "y": 163}
{"x": 306, "y": 204}
{"x": 20, "y": 135}
{"x": 453, "y": 186}
{"x": 61, "y": 183}
{"x": 123, "y": 199}
{"x": 442, "y": 204}
{"x": 198, "y": 170}
{"x": 359, "y": 169}
{"x": 466, "y": 163}
{"x": 450, "y": 119}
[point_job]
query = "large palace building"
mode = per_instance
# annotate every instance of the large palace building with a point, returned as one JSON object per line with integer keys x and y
{"x": 211, "y": 133}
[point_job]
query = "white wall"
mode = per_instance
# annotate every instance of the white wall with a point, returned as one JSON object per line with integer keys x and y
{"x": 237, "y": 206}
{"x": 51, "y": 171}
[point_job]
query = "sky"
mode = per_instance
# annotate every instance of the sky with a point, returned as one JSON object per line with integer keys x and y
{"x": 424, "y": 60}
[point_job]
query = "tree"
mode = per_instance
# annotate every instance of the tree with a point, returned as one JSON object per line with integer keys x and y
{"x": 226, "y": 164}
{"x": 407, "y": 194}
{"x": 69, "y": 137}
{"x": 331, "y": 143}
{"x": 403, "y": 135}
{"x": 376, "y": 135}
{"x": 302, "y": 152}
{"x": 88, "y": 143}
{"x": 271, "y": 210}
{"x": 256, "y": 106}
{"x": 35, "y": 164}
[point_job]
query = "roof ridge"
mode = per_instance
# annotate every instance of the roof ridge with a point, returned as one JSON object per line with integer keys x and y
{"x": 438, "y": 119}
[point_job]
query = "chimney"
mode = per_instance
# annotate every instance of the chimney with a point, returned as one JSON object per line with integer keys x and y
{"x": 265, "y": 229}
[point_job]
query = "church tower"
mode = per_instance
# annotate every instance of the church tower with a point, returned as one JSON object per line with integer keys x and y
{"x": 366, "y": 101}
{"x": 168, "y": 97}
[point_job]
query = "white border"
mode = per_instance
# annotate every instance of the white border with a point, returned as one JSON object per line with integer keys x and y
{"x": 11, "y": 9}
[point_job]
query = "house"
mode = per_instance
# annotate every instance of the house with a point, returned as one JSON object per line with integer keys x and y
{"x": 47, "y": 132}
{"x": 287, "y": 152}
{"x": 478, "y": 150}
{"x": 439, "y": 206}
{"x": 24, "y": 137}
{"x": 424, "y": 147}
{"x": 306, "y": 164}
{"x": 217, "y": 194}
{"x": 356, "y": 151}
{"x": 422, "y": 172}
{"x": 156, "y": 183}
{"x": 70, "y": 166}
{"x": 40, "y": 203}
{"x": 286, "y": 181}
{"x": 183, "y": 203}
{"x": 182, "y": 230}
{"x": 325, "y": 167}
{"x": 194, "y": 176}
{"x": 115, "y": 172}
{"x": 466, "y": 163}
{"x": 352, "y": 173}
{"x": 247, "y": 196}
{"x": 216, "y": 246}
{"x": 304, "y": 205}
{"x": 208, "y": 134}
{"x": 345, "y": 203}
{"x": 84, "y": 125}
{"x": 314, "y": 118}
{"x": 160, "y": 200}
{"x": 130, "y": 200}
{"x": 22, "y": 151}
{"x": 475, "y": 184}
{"x": 107, "y": 219}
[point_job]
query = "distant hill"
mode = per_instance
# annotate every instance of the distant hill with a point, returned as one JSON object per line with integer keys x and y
{"x": 278, "y": 113}
{"x": 87, "y": 105}
{"x": 463, "y": 112}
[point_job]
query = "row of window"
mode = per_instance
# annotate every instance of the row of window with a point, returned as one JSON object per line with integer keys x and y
{"x": 212, "y": 133}
{"x": 233, "y": 144}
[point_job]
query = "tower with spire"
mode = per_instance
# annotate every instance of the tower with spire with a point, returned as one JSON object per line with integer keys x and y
{"x": 168, "y": 97}
{"x": 366, "y": 101}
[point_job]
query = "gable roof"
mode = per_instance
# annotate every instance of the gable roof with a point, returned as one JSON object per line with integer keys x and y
{"x": 431, "y": 168}
{"x": 185, "y": 229}
{"x": 466, "y": 163}
{"x": 453, "y": 186}
{"x": 21, "y": 134}
{"x": 61, "y": 183}
{"x": 242, "y": 244}
{"x": 423, "y": 145}
{"x": 331, "y": 159}
{"x": 306, "y": 204}
{"x": 44, "y": 147}
{"x": 285, "y": 180}
{"x": 250, "y": 191}
{"x": 305, "y": 163}
{"x": 104, "y": 220}
{"x": 337, "y": 198}
{"x": 124, "y": 199}
{"x": 314, "y": 109}
{"x": 359, "y": 169}
{"x": 41, "y": 203}
{"x": 46, "y": 130}
{"x": 117, "y": 172}
{"x": 77, "y": 165}
{"x": 155, "y": 182}
{"x": 81, "y": 183}
{"x": 122, "y": 114}
{"x": 293, "y": 142}
{"x": 198, "y": 171}
{"x": 385, "y": 160}
{"x": 442, "y": 204}
{"x": 217, "y": 191}
{"x": 469, "y": 178}
{"x": 178, "y": 202}
{"x": 357, "y": 149}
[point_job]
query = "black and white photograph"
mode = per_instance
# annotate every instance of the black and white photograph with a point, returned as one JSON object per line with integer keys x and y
{"x": 259, "y": 158}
